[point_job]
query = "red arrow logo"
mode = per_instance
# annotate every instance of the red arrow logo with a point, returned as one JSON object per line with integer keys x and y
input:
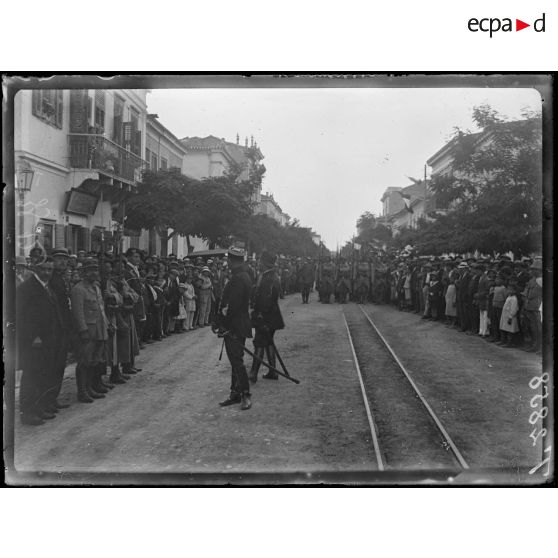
{"x": 519, "y": 25}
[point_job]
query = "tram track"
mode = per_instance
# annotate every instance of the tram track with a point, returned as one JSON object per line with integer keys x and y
{"x": 405, "y": 431}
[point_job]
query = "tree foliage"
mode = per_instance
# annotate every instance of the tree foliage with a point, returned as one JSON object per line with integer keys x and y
{"x": 493, "y": 191}
{"x": 370, "y": 231}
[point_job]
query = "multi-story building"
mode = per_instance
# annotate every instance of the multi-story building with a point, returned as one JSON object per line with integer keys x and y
{"x": 268, "y": 206}
{"x": 84, "y": 148}
{"x": 403, "y": 207}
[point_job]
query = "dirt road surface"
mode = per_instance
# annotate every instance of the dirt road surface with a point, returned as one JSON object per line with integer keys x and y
{"x": 166, "y": 419}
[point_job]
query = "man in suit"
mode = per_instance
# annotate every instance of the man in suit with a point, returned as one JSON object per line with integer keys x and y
{"x": 235, "y": 303}
{"x": 266, "y": 316}
{"x": 39, "y": 330}
{"x": 61, "y": 289}
{"x": 88, "y": 310}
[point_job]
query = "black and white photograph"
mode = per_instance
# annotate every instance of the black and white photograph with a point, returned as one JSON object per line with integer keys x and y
{"x": 278, "y": 280}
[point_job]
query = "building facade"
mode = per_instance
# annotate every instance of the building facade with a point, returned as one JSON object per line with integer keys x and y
{"x": 85, "y": 150}
{"x": 268, "y": 206}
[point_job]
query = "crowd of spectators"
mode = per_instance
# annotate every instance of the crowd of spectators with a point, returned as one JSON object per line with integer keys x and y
{"x": 499, "y": 299}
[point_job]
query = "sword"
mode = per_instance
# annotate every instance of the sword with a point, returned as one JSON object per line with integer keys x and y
{"x": 248, "y": 351}
{"x": 280, "y": 359}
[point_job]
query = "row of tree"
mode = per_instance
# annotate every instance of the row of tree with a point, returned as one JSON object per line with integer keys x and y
{"x": 493, "y": 193}
{"x": 220, "y": 210}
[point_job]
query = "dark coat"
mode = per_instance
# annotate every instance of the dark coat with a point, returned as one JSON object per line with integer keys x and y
{"x": 236, "y": 298}
{"x": 266, "y": 302}
{"x": 61, "y": 290}
{"x": 37, "y": 315}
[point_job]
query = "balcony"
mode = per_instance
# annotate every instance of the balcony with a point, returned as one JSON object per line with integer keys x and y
{"x": 97, "y": 153}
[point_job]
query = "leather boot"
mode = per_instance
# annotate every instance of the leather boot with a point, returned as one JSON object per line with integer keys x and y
{"x": 233, "y": 399}
{"x": 82, "y": 394}
{"x": 246, "y": 402}
{"x": 108, "y": 385}
{"x": 90, "y": 383}
{"x": 115, "y": 376}
{"x": 253, "y": 375}
{"x": 271, "y": 359}
{"x": 96, "y": 381}
{"x": 127, "y": 370}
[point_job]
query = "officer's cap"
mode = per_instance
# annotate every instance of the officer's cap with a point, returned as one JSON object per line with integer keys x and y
{"x": 60, "y": 252}
{"x": 236, "y": 253}
{"x": 91, "y": 263}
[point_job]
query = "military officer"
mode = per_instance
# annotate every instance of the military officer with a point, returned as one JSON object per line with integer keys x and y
{"x": 266, "y": 316}
{"x": 235, "y": 303}
{"x": 92, "y": 325}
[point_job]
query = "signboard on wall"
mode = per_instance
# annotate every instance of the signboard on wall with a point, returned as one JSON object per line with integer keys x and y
{"x": 80, "y": 202}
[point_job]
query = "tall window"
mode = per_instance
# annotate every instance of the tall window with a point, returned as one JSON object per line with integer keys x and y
{"x": 45, "y": 235}
{"x": 154, "y": 165}
{"x": 148, "y": 157}
{"x": 100, "y": 111}
{"x": 164, "y": 163}
{"x": 48, "y": 106}
{"x": 117, "y": 134}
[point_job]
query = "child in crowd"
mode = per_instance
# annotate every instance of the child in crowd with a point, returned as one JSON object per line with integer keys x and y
{"x": 181, "y": 317}
{"x": 508, "y": 321}
{"x": 451, "y": 303}
{"x": 497, "y": 298}
{"x": 189, "y": 302}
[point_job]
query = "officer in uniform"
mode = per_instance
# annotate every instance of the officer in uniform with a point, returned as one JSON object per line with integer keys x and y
{"x": 88, "y": 310}
{"x": 235, "y": 303}
{"x": 266, "y": 316}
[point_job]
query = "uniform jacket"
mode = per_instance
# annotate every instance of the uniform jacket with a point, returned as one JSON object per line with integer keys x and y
{"x": 482, "y": 292}
{"x": 236, "y": 298}
{"x": 266, "y": 302}
{"x": 88, "y": 310}
{"x": 37, "y": 315}
{"x": 307, "y": 274}
{"x": 532, "y": 296}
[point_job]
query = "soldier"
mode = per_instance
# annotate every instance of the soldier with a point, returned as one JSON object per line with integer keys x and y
{"x": 61, "y": 289}
{"x": 266, "y": 316}
{"x": 39, "y": 328}
{"x": 132, "y": 276}
{"x": 306, "y": 277}
{"x": 343, "y": 286}
{"x": 88, "y": 310}
{"x": 235, "y": 303}
{"x": 326, "y": 280}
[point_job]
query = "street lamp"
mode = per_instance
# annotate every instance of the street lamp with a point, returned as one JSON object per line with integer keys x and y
{"x": 24, "y": 182}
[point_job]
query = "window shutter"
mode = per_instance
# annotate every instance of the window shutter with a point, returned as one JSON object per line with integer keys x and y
{"x": 87, "y": 239}
{"x": 137, "y": 138}
{"x": 36, "y": 102}
{"x": 59, "y": 107}
{"x": 78, "y": 111}
{"x": 59, "y": 236}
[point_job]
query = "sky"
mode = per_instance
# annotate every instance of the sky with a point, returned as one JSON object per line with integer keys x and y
{"x": 331, "y": 153}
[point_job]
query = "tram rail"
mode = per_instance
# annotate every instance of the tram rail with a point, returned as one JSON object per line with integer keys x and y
{"x": 371, "y": 400}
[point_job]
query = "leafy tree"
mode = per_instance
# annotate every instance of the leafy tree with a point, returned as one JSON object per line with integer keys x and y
{"x": 370, "y": 231}
{"x": 494, "y": 188}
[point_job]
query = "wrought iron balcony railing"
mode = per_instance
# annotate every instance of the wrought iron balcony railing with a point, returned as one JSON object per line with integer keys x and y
{"x": 96, "y": 152}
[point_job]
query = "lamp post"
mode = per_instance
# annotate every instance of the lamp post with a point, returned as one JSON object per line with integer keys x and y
{"x": 24, "y": 181}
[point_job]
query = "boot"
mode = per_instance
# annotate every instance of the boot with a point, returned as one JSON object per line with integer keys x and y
{"x": 82, "y": 394}
{"x": 271, "y": 359}
{"x": 115, "y": 376}
{"x": 233, "y": 399}
{"x": 108, "y": 385}
{"x": 246, "y": 402}
{"x": 90, "y": 383}
{"x": 253, "y": 376}
{"x": 127, "y": 370}
{"x": 96, "y": 379}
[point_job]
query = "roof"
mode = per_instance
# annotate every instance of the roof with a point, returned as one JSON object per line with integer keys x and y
{"x": 235, "y": 151}
{"x": 204, "y": 253}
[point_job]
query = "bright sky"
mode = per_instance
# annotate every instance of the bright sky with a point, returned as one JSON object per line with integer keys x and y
{"x": 331, "y": 153}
